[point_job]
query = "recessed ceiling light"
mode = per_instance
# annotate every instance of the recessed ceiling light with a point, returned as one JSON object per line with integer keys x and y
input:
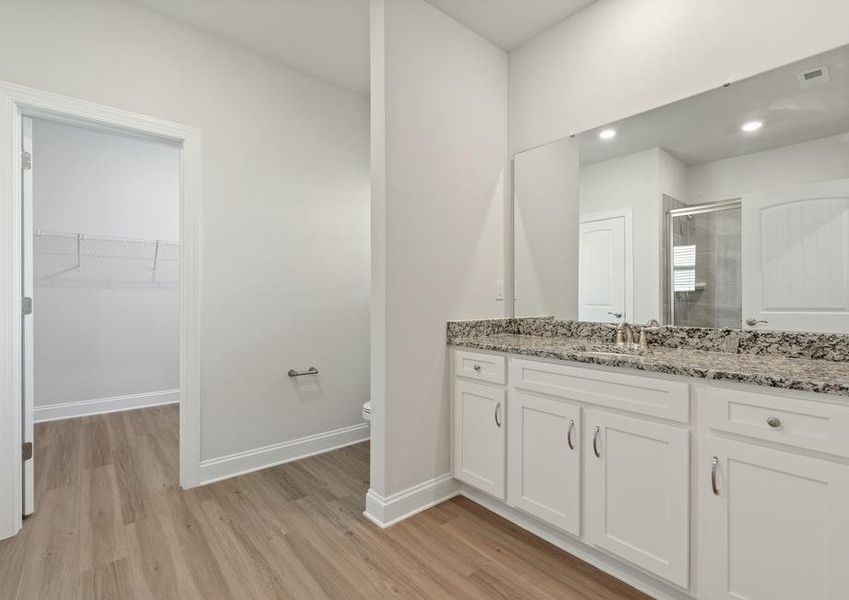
{"x": 752, "y": 126}
{"x": 606, "y": 134}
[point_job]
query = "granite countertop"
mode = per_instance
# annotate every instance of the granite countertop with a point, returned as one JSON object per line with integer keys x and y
{"x": 812, "y": 375}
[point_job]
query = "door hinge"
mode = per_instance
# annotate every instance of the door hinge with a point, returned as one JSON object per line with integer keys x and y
{"x": 26, "y": 305}
{"x": 26, "y": 160}
{"x": 26, "y": 451}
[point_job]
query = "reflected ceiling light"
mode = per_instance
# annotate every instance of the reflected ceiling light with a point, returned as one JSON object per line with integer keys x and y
{"x": 606, "y": 134}
{"x": 751, "y": 126}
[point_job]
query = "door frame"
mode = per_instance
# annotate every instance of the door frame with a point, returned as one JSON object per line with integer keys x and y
{"x": 15, "y": 102}
{"x": 626, "y": 213}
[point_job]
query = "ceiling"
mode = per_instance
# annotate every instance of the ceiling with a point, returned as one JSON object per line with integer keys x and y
{"x": 326, "y": 38}
{"x": 706, "y": 127}
{"x": 509, "y": 23}
{"x": 330, "y": 38}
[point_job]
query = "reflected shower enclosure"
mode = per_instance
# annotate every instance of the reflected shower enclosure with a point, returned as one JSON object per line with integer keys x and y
{"x": 703, "y": 282}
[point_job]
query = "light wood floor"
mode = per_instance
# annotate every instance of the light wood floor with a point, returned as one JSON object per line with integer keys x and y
{"x": 111, "y": 523}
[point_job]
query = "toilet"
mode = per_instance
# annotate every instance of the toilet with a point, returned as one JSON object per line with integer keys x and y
{"x": 367, "y": 410}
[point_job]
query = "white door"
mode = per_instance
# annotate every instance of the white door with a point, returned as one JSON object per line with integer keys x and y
{"x": 637, "y": 492}
{"x": 479, "y": 436}
{"x": 796, "y": 258}
{"x": 544, "y": 459}
{"x": 26, "y": 320}
{"x": 775, "y": 526}
{"x": 605, "y": 267}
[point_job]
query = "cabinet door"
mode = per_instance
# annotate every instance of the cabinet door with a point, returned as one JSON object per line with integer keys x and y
{"x": 479, "y": 436}
{"x": 637, "y": 499}
{"x": 543, "y": 459}
{"x": 775, "y": 526}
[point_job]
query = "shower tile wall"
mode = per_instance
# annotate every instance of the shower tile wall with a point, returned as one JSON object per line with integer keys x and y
{"x": 717, "y": 300}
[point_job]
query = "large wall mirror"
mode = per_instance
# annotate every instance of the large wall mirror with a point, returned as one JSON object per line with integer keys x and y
{"x": 726, "y": 209}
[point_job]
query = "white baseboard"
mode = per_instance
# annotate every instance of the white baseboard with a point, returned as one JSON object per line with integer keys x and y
{"x": 99, "y": 406}
{"x": 388, "y": 511}
{"x": 240, "y": 463}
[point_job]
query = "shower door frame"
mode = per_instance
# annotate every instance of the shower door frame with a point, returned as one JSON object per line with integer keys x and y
{"x": 698, "y": 209}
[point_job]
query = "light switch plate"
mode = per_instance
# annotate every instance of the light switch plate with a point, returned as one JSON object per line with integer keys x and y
{"x": 499, "y": 289}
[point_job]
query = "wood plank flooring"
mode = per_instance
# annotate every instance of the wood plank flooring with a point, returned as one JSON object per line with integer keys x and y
{"x": 111, "y": 523}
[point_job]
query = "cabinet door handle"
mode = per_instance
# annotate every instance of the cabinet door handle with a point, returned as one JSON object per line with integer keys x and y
{"x": 498, "y": 414}
{"x": 595, "y": 442}
{"x": 569, "y": 434}
{"x": 714, "y": 464}
{"x": 476, "y": 367}
{"x": 773, "y": 422}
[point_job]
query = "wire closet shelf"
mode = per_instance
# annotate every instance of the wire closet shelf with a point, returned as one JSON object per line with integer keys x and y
{"x": 75, "y": 251}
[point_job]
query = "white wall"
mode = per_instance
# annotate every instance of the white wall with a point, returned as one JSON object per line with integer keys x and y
{"x": 285, "y": 250}
{"x": 110, "y": 328}
{"x": 546, "y": 230}
{"x": 439, "y": 116}
{"x": 824, "y": 159}
{"x": 618, "y": 58}
{"x": 631, "y": 181}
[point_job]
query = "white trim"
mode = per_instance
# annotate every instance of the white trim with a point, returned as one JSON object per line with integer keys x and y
{"x": 248, "y": 461}
{"x": 386, "y": 512}
{"x": 628, "y": 214}
{"x": 101, "y": 406}
{"x": 15, "y": 102}
{"x": 621, "y": 571}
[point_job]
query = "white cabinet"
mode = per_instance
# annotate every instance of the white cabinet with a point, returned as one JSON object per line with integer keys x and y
{"x": 544, "y": 459}
{"x": 637, "y": 492}
{"x": 775, "y": 524}
{"x": 479, "y": 436}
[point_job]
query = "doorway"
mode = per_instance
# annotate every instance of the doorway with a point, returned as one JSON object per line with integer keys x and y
{"x": 17, "y": 103}
{"x": 100, "y": 264}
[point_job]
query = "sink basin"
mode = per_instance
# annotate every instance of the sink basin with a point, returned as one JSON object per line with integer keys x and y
{"x": 613, "y": 350}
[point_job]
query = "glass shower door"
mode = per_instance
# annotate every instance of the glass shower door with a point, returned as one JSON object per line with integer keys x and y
{"x": 703, "y": 275}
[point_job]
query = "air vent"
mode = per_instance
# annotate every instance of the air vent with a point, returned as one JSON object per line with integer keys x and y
{"x": 813, "y": 77}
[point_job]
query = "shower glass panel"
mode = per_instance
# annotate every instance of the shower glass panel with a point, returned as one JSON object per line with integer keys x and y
{"x": 703, "y": 275}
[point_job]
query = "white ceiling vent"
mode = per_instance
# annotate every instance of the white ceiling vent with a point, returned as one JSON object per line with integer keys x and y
{"x": 813, "y": 77}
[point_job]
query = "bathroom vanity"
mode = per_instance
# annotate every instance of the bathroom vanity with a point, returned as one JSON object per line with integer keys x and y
{"x": 687, "y": 471}
{"x": 715, "y": 465}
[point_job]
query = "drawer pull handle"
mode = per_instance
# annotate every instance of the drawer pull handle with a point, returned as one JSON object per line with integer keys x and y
{"x": 498, "y": 414}
{"x": 714, "y": 464}
{"x": 569, "y": 434}
{"x": 774, "y": 422}
{"x": 595, "y": 441}
{"x": 476, "y": 367}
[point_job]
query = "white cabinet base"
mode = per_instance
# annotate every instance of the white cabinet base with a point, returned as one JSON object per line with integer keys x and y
{"x": 479, "y": 436}
{"x": 777, "y": 527}
{"x": 544, "y": 459}
{"x": 637, "y": 477}
{"x": 621, "y": 570}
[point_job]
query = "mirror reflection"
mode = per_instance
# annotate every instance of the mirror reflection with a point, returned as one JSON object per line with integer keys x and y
{"x": 727, "y": 209}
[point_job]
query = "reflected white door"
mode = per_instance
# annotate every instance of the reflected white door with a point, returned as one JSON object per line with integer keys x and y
{"x": 796, "y": 258}
{"x": 26, "y": 320}
{"x": 606, "y": 267}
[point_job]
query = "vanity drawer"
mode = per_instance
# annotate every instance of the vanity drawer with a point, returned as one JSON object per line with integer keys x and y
{"x": 480, "y": 367}
{"x": 792, "y": 421}
{"x": 645, "y": 395}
